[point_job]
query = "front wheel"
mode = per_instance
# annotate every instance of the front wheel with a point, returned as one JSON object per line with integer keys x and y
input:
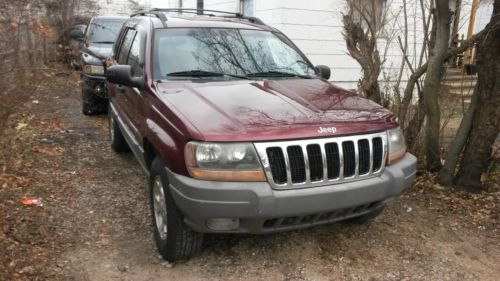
{"x": 174, "y": 239}
{"x": 118, "y": 142}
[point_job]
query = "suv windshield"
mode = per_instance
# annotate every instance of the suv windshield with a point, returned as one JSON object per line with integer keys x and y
{"x": 196, "y": 52}
{"x": 104, "y": 31}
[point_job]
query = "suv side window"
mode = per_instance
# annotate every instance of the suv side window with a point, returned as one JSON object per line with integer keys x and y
{"x": 125, "y": 47}
{"x": 134, "y": 56}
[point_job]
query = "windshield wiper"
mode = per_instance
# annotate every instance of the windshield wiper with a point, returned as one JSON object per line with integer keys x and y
{"x": 277, "y": 74}
{"x": 202, "y": 73}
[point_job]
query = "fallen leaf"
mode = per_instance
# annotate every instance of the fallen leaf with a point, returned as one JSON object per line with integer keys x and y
{"x": 10, "y": 180}
{"x": 26, "y": 201}
{"x": 86, "y": 173}
{"x": 50, "y": 151}
{"x": 20, "y": 126}
{"x": 22, "y": 182}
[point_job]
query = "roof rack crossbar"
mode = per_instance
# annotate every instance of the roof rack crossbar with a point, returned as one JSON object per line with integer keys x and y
{"x": 250, "y": 19}
{"x": 161, "y": 16}
{"x": 158, "y": 12}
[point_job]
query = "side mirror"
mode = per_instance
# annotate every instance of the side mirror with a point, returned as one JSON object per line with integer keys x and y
{"x": 122, "y": 75}
{"x": 324, "y": 71}
{"x": 77, "y": 35}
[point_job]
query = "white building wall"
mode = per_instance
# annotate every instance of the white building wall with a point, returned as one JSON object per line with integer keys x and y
{"x": 316, "y": 27}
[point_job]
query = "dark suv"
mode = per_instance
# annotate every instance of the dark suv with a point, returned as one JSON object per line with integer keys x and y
{"x": 98, "y": 40}
{"x": 239, "y": 133}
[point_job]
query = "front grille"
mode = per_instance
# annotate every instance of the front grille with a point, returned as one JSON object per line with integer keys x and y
{"x": 315, "y": 162}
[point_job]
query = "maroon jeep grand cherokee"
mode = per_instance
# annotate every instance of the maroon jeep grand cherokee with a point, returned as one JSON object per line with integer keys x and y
{"x": 239, "y": 133}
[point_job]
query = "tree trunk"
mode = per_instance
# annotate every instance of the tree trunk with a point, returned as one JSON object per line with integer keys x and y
{"x": 361, "y": 42}
{"x": 413, "y": 80}
{"x": 447, "y": 173}
{"x": 369, "y": 82}
{"x": 415, "y": 126}
{"x": 432, "y": 85}
{"x": 486, "y": 123}
{"x": 456, "y": 19}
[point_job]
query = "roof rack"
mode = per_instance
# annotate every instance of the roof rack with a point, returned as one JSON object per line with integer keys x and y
{"x": 159, "y": 13}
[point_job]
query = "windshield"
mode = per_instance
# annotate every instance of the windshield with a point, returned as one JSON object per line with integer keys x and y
{"x": 232, "y": 52}
{"x": 104, "y": 31}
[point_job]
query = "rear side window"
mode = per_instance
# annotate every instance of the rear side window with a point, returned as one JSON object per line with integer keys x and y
{"x": 125, "y": 47}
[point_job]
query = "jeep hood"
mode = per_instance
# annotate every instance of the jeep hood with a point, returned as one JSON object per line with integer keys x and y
{"x": 245, "y": 110}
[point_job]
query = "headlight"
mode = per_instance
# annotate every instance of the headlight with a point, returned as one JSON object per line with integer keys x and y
{"x": 93, "y": 69}
{"x": 397, "y": 146}
{"x": 223, "y": 161}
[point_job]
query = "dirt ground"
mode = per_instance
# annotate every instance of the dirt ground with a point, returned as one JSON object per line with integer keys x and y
{"x": 94, "y": 220}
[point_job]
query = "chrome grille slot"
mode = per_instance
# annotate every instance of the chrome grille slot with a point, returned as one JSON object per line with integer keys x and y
{"x": 278, "y": 166}
{"x": 333, "y": 160}
{"x": 316, "y": 162}
{"x": 349, "y": 158}
{"x": 297, "y": 166}
{"x": 364, "y": 156}
{"x": 378, "y": 155}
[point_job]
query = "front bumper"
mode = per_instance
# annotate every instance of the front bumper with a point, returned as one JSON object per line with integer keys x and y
{"x": 261, "y": 209}
{"x": 95, "y": 84}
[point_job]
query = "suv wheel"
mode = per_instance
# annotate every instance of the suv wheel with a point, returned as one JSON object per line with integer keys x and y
{"x": 118, "y": 143}
{"x": 174, "y": 239}
{"x": 92, "y": 104}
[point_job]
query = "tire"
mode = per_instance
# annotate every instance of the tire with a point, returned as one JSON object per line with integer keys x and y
{"x": 179, "y": 241}
{"x": 92, "y": 104}
{"x": 366, "y": 217}
{"x": 118, "y": 142}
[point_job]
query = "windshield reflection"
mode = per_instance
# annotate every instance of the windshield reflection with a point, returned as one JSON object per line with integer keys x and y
{"x": 226, "y": 51}
{"x": 104, "y": 31}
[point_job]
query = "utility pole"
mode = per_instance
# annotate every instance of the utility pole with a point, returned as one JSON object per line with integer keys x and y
{"x": 470, "y": 31}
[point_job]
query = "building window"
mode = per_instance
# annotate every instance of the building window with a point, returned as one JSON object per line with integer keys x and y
{"x": 247, "y": 8}
{"x": 370, "y": 14}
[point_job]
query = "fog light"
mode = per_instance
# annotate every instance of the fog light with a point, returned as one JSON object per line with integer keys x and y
{"x": 221, "y": 224}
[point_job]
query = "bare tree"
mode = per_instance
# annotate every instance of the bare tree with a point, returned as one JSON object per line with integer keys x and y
{"x": 363, "y": 24}
{"x": 481, "y": 124}
{"x": 432, "y": 84}
{"x": 413, "y": 127}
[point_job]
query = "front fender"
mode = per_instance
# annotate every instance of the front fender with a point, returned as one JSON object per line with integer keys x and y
{"x": 169, "y": 147}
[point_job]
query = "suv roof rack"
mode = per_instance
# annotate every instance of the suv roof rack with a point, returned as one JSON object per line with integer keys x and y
{"x": 159, "y": 13}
